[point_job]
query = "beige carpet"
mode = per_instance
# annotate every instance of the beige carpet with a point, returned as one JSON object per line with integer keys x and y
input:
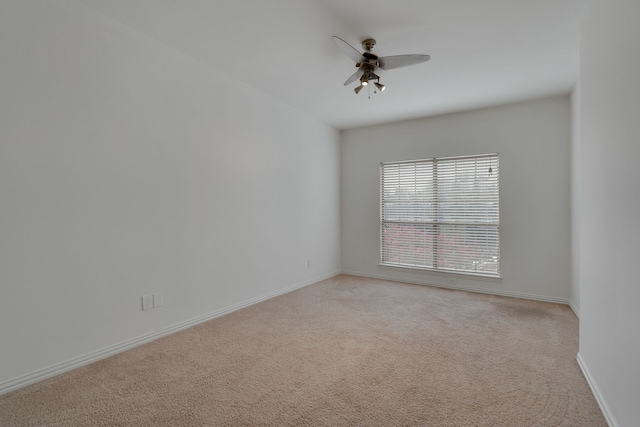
{"x": 347, "y": 351}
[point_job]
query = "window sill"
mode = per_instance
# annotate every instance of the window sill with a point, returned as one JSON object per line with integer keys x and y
{"x": 443, "y": 272}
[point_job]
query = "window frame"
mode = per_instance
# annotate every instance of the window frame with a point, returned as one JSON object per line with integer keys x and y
{"x": 437, "y": 225}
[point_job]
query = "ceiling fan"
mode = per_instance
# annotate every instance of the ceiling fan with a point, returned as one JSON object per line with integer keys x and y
{"x": 371, "y": 65}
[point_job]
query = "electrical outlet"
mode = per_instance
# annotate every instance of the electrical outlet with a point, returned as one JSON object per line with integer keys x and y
{"x": 157, "y": 300}
{"x": 451, "y": 280}
{"x": 147, "y": 302}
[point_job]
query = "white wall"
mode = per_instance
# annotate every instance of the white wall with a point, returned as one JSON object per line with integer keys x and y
{"x": 574, "y": 294}
{"x": 127, "y": 168}
{"x": 533, "y": 140}
{"x": 609, "y": 206}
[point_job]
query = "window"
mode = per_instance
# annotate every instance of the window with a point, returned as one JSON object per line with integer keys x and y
{"x": 441, "y": 214}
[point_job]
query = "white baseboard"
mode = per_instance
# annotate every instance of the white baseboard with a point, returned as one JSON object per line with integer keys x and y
{"x": 596, "y": 392}
{"x": 461, "y": 287}
{"x": 76, "y": 362}
{"x": 574, "y": 309}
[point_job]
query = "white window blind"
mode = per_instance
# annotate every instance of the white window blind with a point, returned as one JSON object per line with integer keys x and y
{"x": 441, "y": 214}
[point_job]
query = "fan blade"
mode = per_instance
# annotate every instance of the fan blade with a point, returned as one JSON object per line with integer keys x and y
{"x": 348, "y": 49}
{"x": 354, "y": 77}
{"x": 391, "y": 62}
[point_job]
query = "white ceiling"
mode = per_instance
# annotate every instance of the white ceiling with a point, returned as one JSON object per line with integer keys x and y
{"x": 484, "y": 52}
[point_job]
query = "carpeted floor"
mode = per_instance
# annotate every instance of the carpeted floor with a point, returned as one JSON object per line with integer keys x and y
{"x": 347, "y": 351}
